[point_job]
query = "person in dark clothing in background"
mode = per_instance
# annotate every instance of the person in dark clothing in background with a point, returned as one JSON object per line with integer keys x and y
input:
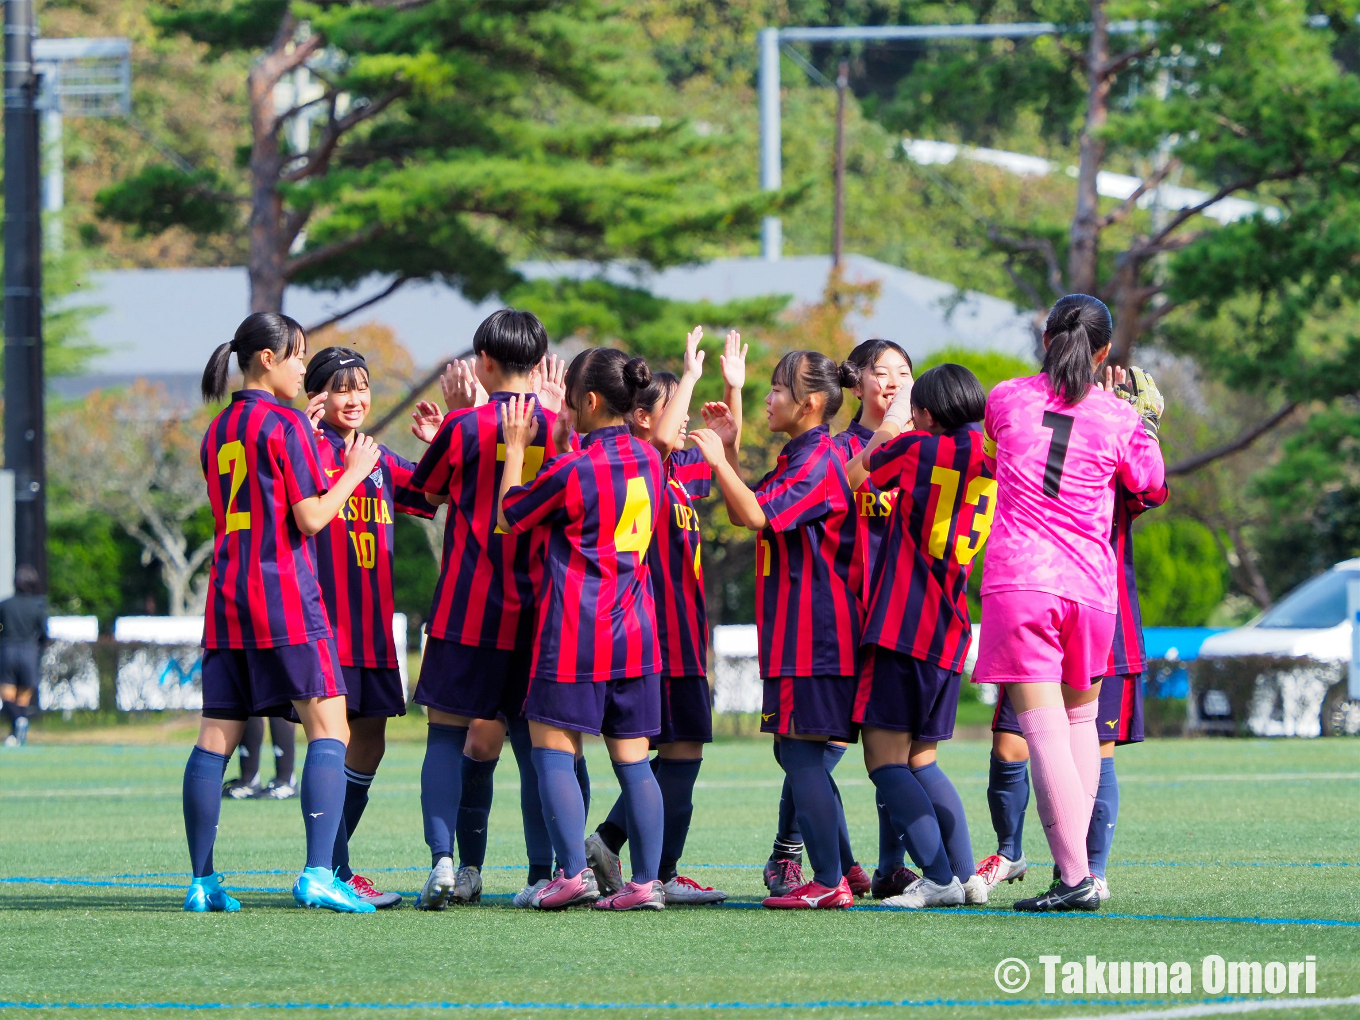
{"x": 247, "y": 786}
{"x": 23, "y": 633}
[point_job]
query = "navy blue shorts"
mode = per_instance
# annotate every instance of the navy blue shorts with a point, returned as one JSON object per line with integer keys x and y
{"x": 241, "y": 682}
{"x": 374, "y": 692}
{"x": 686, "y": 711}
{"x": 903, "y": 693}
{"x": 21, "y": 664}
{"x": 480, "y": 683}
{"x": 610, "y": 708}
{"x": 1121, "y": 711}
{"x": 815, "y": 705}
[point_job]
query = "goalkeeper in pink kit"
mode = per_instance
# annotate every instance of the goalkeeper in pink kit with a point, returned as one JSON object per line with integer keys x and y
{"x": 1060, "y": 444}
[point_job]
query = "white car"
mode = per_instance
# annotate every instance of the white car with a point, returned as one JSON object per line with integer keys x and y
{"x": 1309, "y": 623}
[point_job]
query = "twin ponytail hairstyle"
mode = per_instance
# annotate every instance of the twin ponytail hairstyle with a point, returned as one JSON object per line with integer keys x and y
{"x": 863, "y": 359}
{"x": 619, "y": 379}
{"x": 260, "y": 331}
{"x": 1078, "y": 327}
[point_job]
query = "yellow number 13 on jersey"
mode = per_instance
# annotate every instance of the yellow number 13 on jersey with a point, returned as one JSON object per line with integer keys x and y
{"x": 634, "y": 533}
{"x": 231, "y": 458}
{"x": 969, "y": 545}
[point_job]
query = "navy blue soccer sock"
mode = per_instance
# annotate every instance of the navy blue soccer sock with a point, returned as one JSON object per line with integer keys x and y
{"x": 831, "y": 757}
{"x": 891, "y": 854}
{"x": 676, "y": 777}
{"x": 913, "y": 816}
{"x": 564, "y": 810}
{"x": 949, "y": 813}
{"x": 1100, "y": 835}
{"x": 788, "y": 841}
{"x": 646, "y": 816}
{"x": 202, "y": 806}
{"x": 1008, "y": 796}
{"x": 583, "y": 781}
{"x": 613, "y": 831}
{"x": 248, "y": 751}
{"x": 356, "y": 799}
{"x": 323, "y": 798}
{"x": 441, "y": 787}
{"x": 815, "y": 806}
{"x": 537, "y": 843}
{"x": 474, "y": 809}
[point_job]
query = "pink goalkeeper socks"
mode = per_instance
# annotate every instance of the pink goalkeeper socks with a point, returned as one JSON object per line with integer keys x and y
{"x": 1086, "y": 747}
{"x": 1064, "y": 807}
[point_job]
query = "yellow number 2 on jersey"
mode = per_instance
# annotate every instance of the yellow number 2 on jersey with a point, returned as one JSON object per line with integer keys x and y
{"x": 232, "y": 457}
{"x": 634, "y": 532}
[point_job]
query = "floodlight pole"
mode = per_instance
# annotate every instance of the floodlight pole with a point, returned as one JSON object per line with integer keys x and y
{"x": 23, "y": 416}
{"x": 771, "y": 39}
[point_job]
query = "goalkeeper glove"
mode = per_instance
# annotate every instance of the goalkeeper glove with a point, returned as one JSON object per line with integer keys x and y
{"x": 899, "y": 411}
{"x": 1142, "y": 393}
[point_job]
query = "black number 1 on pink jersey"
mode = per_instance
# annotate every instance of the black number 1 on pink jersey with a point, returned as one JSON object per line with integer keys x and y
{"x": 1061, "y": 424}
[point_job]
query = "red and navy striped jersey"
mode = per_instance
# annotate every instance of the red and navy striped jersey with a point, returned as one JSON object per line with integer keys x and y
{"x": 600, "y": 506}
{"x": 354, "y": 553}
{"x": 918, "y": 598}
{"x": 677, "y": 574}
{"x": 1127, "y": 653}
{"x": 873, "y": 506}
{"x": 259, "y": 458}
{"x": 485, "y": 594}
{"x": 807, "y": 574}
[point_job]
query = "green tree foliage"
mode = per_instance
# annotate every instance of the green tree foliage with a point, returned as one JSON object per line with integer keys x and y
{"x": 1181, "y": 572}
{"x": 991, "y": 367}
{"x": 452, "y": 139}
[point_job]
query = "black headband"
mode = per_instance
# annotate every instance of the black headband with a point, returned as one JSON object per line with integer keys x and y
{"x": 326, "y": 363}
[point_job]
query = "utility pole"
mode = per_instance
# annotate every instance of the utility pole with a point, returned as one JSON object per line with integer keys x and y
{"x": 23, "y": 292}
{"x": 838, "y": 215}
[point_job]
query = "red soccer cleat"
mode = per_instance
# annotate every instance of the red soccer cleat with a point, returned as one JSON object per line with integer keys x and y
{"x": 858, "y": 878}
{"x": 813, "y": 897}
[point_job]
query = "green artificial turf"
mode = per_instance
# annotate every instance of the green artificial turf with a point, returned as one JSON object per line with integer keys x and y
{"x": 1208, "y": 830}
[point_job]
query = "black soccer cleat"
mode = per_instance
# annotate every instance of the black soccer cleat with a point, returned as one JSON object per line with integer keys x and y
{"x": 1059, "y": 897}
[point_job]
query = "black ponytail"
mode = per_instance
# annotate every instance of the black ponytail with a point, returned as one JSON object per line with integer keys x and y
{"x": 862, "y": 359}
{"x": 620, "y": 380}
{"x": 1078, "y": 327}
{"x": 260, "y": 331}
{"x": 803, "y": 373}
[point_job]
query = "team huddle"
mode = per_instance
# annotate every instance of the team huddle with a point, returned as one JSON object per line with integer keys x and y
{"x": 570, "y": 601}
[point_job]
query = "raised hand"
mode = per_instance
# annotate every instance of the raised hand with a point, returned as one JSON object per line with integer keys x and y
{"x": 551, "y": 387}
{"x": 718, "y": 419}
{"x": 694, "y": 358}
{"x": 733, "y": 361}
{"x": 710, "y": 444}
{"x": 427, "y": 419}
{"x": 362, "y": 456}
{"x": 518, "y": 423}
{"x": 315, "y": 410}
{"x": 459, "y": 385}
{"x": 1114, "y": 375}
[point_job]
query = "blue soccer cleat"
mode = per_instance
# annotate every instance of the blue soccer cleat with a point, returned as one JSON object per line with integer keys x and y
{"x": 206, "y": 896}
{"x": 318, "y": 887}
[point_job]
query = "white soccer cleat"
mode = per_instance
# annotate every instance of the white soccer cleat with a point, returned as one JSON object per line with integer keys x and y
{"x": 605, "y": 863}
{"x": 924, "y": 893}
{"x": 975, "y": 890}
{"x": 1102, "y": 888}
{"x": 996, "y": 869}
{"x": 525, "y": 897}
{"x": 683, "y": 891}
{"x": 438, "y": 887}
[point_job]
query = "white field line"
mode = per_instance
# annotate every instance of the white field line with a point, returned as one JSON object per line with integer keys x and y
{"x": 1220, "y": 1009}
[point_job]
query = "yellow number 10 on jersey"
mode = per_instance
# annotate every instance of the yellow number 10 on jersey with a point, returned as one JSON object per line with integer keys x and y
{"x": 231, "y": 457}
{"x": 968, "y": 545}
{"x": 634, "y": 533}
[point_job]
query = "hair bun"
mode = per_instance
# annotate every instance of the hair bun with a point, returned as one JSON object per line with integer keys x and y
{"x": 637, "y": 373}
{"x": 850, "y": 375}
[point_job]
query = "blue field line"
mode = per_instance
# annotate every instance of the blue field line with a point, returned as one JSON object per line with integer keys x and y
{"x": 504, "y": 1004}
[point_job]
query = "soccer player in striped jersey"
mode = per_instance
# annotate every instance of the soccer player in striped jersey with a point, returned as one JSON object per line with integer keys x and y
{"x": 268, "y": 644}
{"x": 476, "y": 662}
{"x": 596, "y": 655}
{"x": 807, "y": 606}
{"x": 1120, "y": 718}
{"x": 673, "y": 560}
{"x": 1049, "y": 599}
{"x": 916, "y": 630}
{"x": 354, "y": 565}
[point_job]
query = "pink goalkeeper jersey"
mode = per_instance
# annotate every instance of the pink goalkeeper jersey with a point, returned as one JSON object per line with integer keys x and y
{"x": 1056, "y": 468}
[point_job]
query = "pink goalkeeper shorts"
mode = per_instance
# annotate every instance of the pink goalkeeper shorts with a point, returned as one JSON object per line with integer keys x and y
{"x": 1035, "y": 637}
